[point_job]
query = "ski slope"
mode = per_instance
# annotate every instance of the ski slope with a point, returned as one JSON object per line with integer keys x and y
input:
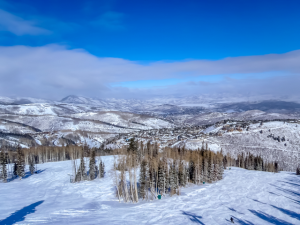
{"x": 250, "y": 197}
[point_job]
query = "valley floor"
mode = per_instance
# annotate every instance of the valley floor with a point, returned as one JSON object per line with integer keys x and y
{"x": 250, "y": 197}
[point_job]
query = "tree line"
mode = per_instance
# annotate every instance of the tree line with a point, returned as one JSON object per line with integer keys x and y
{"x": 251, "y": 162}
{"x": 13, "y": 161}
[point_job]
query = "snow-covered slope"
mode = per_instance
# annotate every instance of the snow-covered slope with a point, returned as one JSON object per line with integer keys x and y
{"x": 90, "y": 127}
{"x": 98, "y": 118}
{"x": 249, "y": 197}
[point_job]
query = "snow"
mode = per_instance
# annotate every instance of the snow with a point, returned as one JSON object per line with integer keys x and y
{"x": 212, "y": 129}
{"x": 250, "y": 197}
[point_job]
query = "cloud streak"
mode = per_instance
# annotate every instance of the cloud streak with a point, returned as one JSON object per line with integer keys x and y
{"x": 53, "y": 71}
{"x": 19, "y": 26}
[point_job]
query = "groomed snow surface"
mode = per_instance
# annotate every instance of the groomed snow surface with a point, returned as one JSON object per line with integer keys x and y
{"x": 250, "y": 197}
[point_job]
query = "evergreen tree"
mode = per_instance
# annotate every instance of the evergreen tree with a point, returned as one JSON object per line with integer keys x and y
{"x": 31, "y": 165}
{"x": 167, "y": 181}
{"x": 192, "y": 171}
{"x": 3, "y": 163}
{"x": 155, "y": 149}
{"x": 101, "y": 169}
{"x": 210, "y": 167}
{"x": 20, "y": 163}
{"x": 92, "y": 165}
{"x": 215, "y": 169}
{"x": 205, "y": 170}
{"x": 221, "y": 169}
{"x": 298, "y": 170}
{"x": 15, "y": 169}
{"x": 161, "y": 177}
{"x": 132, "y": 147}
{"x": 81, "y": 173}
{"x": 182, "y": 174}
{"x": 186, "y": 175}
{"x": 172, "y": 178}
{"x": 142, "y": 179}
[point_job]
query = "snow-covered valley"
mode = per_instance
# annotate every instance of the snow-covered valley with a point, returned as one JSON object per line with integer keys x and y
{"x": 249, "y": 197}
{"x": 181, "y": 122}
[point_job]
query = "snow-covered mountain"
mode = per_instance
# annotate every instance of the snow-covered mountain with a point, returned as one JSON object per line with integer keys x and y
{"x": 81, "y": 119}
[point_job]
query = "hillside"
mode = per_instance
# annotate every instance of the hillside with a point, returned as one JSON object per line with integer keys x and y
{"x": 249, "y": 197}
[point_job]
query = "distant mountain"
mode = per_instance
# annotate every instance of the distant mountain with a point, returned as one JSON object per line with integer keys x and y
{"x": 22, "y": 100}
{"x": 73, "y": 99}
{"x": 161, "y": 106}
{"x": 266, "y": 106}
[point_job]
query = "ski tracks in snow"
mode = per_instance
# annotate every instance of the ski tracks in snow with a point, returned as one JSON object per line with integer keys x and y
{"x": 250, "y": 197}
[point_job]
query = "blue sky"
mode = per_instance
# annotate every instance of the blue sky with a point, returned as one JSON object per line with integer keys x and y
{"x": 150, "y": 32}
{"x": 162, "y": 30}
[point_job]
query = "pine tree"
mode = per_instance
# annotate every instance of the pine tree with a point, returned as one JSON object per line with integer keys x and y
{"x": 192, "y": 171}
{"x": 186, "y": 175}
{"x": 182, "y": 173}
{"x": 20, "y": 163}
{"x": 167, "y": 181}
{"x": 215, "y": 169}
{"x": 155, "y": 149}
{"x": 31, "y": 165}
{"x": 172, "y": 179}
{"x": 205, "y": 170}
{"x": 298, "y": 170}
{"x": 101, "y": 169}
{"x": 81, "y": 174}
{"x": 210, "y": 167}
{"x": 15, "y": 169}
{"x": 92, "y": 165}
{"x": 221, "y": 169}
{"x": 3, "y": 163}
{"x": 132, "y": 146}
{"x": 161, "y": 177}
{"x": 142, "y": 179}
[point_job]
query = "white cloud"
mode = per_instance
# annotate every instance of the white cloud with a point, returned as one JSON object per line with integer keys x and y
{"x": 54, "y": 71}
{"x": 19, "y": 26}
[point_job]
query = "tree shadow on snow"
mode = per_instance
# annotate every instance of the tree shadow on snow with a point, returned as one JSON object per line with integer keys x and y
{"x": 193, "y": 217}
{"x": 259, "y": 201}
{"x": 297, "y": 185}
{"x": 288, "y": 212}
{"x": 269, "y": 218}
{"x": 27, "y": 174}
{"x": 20, "y": 215}
{"x": 290, "y": 192}
{"x": 239, "y": 221}
{"x": 232, "y": 209}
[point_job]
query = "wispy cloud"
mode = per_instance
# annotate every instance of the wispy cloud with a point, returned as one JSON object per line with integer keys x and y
{"x": 110, "y": 20}
{"x": 54, "y": 71}
{"x": 18, "y": 25}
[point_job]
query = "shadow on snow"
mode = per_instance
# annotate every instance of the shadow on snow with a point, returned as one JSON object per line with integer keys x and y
{"x": 288, "y": 212}
{"x": 20, "y": 215}
{"x": 239, "y": 221}
{"x": 290, "y": 192}
{"x": 193, "y": 217}
{"x": 27, "y": 174}
{"x": 269, "y": 218}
